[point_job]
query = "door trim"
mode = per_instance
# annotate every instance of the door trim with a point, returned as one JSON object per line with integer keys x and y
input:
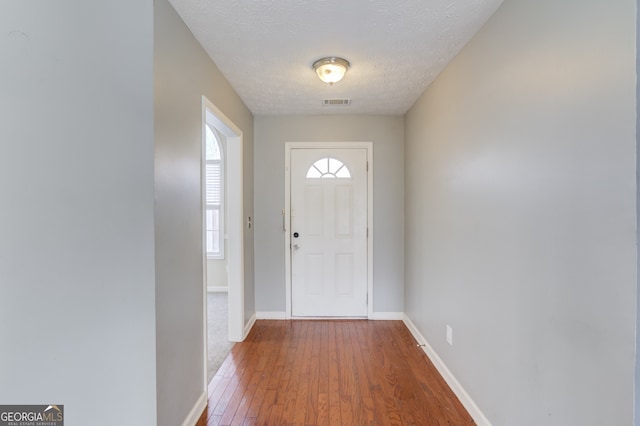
{"x": 286, "y": 216}
{"x": 235, "y": 223}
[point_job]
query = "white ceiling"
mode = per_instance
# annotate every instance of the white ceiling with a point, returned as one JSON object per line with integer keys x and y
{"x": 265, "y": 48}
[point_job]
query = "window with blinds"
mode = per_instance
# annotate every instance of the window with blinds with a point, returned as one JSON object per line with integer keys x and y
{"x": 214, "y": 196}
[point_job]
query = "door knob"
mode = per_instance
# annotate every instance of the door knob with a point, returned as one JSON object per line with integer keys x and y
{"x": 296, "y": 235}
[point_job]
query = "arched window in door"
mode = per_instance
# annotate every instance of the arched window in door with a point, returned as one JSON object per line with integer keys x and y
{"x": 214, "y": 195}
{"x": 328, "y": 168}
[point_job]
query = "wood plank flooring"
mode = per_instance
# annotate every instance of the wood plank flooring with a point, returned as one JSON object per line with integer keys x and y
{"x": 330, "y": 373}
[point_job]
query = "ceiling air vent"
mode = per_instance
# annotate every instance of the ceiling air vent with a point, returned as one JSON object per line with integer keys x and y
{"x": 331, "y": 102}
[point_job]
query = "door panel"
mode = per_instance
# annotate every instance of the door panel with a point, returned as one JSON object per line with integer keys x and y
{"x": 329, "y": 217}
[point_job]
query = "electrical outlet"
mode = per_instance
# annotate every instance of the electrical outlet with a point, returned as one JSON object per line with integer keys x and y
{"x": 449, "y": 335}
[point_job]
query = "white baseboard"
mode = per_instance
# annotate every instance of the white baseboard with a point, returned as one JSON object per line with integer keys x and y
{"x": 196, "y": 411}
{"x": 248, "y": 326}
{"x": 456, "y": 387}
{"x": 271, "y": 315}
{"x": 277, "y": 315}
{"x": 217, "y": 289}
{"x": 387, "y": 316}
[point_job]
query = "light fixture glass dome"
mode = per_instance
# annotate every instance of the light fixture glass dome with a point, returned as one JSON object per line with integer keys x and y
{"x": 331, "y": 70}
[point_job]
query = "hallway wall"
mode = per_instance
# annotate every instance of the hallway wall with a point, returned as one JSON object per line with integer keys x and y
{"x": 183, "y": 73}
{"x": 387, "y": 135}
{"x": 520, "y": 214}
{"x": 637, "y": 373}
{"x": 77, "y": 323}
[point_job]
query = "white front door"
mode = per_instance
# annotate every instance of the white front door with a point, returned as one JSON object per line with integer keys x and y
{"x": 329, "y": 232}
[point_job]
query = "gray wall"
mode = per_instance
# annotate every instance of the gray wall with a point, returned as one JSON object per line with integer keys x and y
{"x": 636, "y": 410}
{"x": 387, "y": 135}
{"x": 183, "y": 73}
{"x": 217, "y": 272}
{"x": 520, "y": 217}
{"x": 77, "y": 323}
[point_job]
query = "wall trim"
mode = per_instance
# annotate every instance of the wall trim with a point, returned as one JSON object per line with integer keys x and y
{"x": 456, "y": 387}
{"x": 217, "y": 289}
{"x": 233, "y": 140}
{"x": 377, "y": 316}
{"x": 249, "y": 325}
{"x": 271, "y": 315}
{"x": 387, "y": 316}
{"x": 196, "y": 411}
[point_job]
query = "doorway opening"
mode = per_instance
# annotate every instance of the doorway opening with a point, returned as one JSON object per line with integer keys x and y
{"x": 222, "y": 224}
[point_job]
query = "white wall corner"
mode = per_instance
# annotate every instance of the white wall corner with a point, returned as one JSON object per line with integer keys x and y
{"x": 248, "y": 326}
{"x": 271, "y": 315}
{"x": 387, "y": 316}
{"x": 196, "y": 411}
{"x": 456, "y": 387}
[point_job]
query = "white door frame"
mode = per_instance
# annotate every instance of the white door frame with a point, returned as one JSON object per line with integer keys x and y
{"x": 235, "y": 222}
{"x": 286, "y": 213}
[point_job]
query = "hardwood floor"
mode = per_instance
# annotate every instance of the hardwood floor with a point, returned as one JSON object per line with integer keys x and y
{"x": 330, "y": 373}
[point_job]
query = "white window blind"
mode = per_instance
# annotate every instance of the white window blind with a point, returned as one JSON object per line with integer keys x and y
{"x": 214, "y": 196}
{"x": 214, "y": 182}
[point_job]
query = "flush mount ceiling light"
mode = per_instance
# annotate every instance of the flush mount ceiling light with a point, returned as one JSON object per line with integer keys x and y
{"x": 331, "y": 70}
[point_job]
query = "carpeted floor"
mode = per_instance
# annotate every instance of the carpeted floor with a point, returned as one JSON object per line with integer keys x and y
{"x": 218, "y": 331}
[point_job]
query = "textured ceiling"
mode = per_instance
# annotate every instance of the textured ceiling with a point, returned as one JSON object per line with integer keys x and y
{"x": 265, "y": 48}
